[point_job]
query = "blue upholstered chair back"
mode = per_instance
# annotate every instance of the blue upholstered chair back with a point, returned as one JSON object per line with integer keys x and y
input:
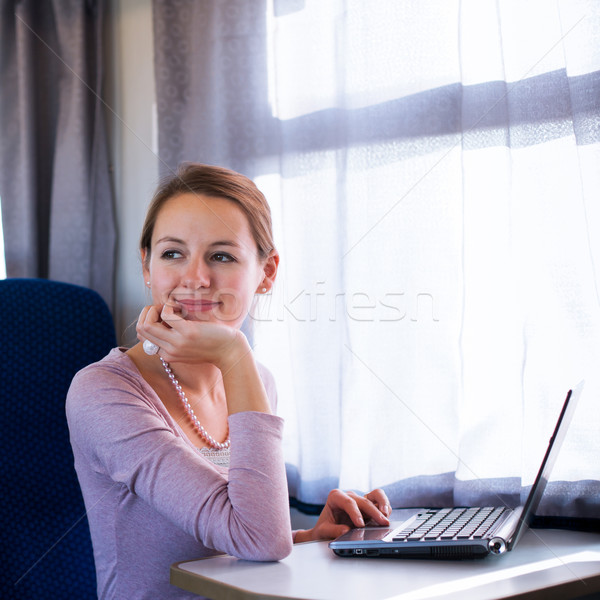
{"x": 48, "y": 331}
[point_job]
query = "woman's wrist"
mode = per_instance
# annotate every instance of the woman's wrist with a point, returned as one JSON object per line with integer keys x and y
{"x": 244, "y": 388}
{"x": 233, "y": 353}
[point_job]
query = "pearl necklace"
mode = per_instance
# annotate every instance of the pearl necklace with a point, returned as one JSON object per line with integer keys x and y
{"x": 188, "y": 409}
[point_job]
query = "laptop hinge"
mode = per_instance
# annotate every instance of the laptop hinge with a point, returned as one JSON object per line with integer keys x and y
{"x": 503, "y": 538}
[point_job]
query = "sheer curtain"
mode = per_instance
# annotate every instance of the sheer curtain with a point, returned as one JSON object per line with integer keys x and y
{"x": 433, "y": 174}
{"x": 57, "y": 205}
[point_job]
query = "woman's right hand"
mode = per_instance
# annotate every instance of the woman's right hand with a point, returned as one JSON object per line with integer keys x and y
{"x": 186, "y": 341}
{"x": 194, "y": 342}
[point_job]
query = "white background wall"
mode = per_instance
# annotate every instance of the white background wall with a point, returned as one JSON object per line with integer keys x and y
{"x": 129, "y": 80}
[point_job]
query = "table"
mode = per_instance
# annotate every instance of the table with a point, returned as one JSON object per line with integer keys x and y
{"x": 546, "y": 564}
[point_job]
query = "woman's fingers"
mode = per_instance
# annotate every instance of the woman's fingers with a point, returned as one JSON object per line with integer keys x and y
{"x": 142, "y": 323}
{"x": 149, "y": 316}
{"x": 170, "y": 315}
{"x": 370, "y": 510}
{"x": 142, "y": 318}
{"x": 380, "y": 500}
{"x": 342, "y": 504}
{"x": 151, "y": 327}
{"x": 374, "y": 506}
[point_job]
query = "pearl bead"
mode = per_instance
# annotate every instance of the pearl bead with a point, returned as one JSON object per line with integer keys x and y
{"x": 190, "y": 412}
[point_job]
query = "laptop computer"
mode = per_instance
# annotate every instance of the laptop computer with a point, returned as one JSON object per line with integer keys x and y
{"x": 459, "y": 532}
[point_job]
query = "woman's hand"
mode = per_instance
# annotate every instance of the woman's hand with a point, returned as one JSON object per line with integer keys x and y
{"x": 194, "y": 342}
{"x": 345, "y": 510}
{"x": 181, "y": 340}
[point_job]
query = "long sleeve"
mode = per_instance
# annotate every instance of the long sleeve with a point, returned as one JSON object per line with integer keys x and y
{"x": 132, "y": 459}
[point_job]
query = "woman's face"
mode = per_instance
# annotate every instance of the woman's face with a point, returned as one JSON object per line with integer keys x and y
{"x": 204, "y": 260}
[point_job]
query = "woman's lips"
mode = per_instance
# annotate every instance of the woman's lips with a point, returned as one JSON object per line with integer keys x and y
{"x": 196, "y": 306}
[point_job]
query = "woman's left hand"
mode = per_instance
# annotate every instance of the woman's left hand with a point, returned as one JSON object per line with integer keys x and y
{"x": 345, "y": 510}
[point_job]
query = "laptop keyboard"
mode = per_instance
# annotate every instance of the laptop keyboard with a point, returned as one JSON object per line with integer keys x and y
{"x": 451, "y": 523}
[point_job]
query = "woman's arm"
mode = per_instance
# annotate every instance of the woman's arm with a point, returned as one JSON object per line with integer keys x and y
{"x": 244, "y": 388}
{"x": 187, "y": 341}
{"x": 122, "y": 437}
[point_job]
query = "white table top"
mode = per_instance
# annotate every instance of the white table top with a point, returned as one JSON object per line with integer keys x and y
{"x": 545, "y": 564}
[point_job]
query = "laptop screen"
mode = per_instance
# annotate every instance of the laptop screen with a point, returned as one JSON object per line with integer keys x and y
{"x": 541, "y": 480}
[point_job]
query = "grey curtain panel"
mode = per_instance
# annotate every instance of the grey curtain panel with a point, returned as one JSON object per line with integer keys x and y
{"x": 210, "y": 64}
{"x": 57, "y": 202}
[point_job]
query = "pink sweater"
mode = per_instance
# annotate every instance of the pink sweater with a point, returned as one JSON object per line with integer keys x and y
{"x": 152, "y": 499}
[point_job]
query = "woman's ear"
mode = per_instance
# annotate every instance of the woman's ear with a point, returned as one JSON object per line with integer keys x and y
{"x": 270, "y": 272}
{"x": 145, "y": 269}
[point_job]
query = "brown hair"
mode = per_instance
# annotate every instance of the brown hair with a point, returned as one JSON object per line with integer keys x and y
{"x": 216, "y": 182}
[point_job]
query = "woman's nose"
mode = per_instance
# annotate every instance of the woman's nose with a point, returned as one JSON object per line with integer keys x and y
{"x": 197, "y": 276}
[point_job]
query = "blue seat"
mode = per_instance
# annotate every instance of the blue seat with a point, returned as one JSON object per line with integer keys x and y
{"x": 49, "y": 330}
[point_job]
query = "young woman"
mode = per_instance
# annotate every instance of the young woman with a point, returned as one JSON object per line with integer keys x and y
{"x": 177, "y": 448}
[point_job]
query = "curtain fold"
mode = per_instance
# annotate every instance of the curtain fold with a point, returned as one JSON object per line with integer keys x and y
{"x": 57, "y": 200}
{"x": 433, "y": 174}
{"x": 224, "y": 95}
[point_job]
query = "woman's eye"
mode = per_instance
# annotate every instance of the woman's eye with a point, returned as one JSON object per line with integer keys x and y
{"x": 222, "y": 257}
{"x": 171, "y": 254}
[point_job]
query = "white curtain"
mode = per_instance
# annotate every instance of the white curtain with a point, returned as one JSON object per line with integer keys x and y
{"x": 434, "y": 174}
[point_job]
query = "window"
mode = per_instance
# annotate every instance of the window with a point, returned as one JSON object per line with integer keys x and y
{"x": 431, "y": 172}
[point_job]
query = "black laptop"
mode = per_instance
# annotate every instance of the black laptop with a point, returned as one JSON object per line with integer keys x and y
{"x": 460, "y": 532}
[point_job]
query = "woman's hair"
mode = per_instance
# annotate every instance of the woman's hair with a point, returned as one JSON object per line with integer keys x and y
{"x": 216, "y": 182}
